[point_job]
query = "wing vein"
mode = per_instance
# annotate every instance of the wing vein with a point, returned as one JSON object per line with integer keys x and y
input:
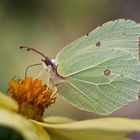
{"x": 87, "y": 96}
{"x": 97, "y": 85}
{"x": 122, "y": 92}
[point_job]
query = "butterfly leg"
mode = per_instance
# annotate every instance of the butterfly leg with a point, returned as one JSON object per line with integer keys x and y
{"x": 54, "y": 92}
{"x": 48, "y": 80}
{"x": 49, "y": 83}
{"x": 45, "y": 90}
{"x": 48, "y": 76}
{"x": 47, "y": 70}
{"x": 40, "y": 74}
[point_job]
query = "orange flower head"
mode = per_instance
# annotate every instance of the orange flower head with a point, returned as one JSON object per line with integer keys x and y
{"x": 31, "y": 95}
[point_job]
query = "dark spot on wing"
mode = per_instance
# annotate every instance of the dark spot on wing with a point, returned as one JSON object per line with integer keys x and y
{"x": 139, "y": 93}
{"x": 107, "y": 72}
{"x": 139, "y": 49}
{"x": 88, "y": 34}
{"x": 139, "y": 41}
{"x": 98, "y": 44}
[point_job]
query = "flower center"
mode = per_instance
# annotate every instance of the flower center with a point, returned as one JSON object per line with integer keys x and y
{"x": 31, "y": 95}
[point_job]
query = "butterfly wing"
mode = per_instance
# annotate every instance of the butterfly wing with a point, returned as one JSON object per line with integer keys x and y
{"x": 102, "y": 68}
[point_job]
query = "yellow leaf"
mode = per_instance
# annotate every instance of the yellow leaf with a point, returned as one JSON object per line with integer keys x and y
{"x": 97, "y": 129}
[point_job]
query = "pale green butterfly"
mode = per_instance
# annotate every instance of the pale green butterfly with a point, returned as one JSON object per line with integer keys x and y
{"x": 99, "y": 72}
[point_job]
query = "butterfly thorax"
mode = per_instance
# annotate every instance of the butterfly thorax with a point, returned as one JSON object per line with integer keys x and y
{"x": 51, "y": 70}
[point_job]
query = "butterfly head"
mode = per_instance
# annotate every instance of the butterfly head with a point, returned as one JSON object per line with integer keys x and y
{"x": 46, "y": 60}
{"x": 48, "y": 64}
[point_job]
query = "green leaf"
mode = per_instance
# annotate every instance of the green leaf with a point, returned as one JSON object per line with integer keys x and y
{"x": 14, "y": 126}
{"x": 102, "y": 69}
{"x": 98, "y": 129}
{"x": 8, "y": 103}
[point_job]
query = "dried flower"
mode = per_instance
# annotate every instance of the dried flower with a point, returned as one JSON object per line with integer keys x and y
{"x": 31, "y": 95}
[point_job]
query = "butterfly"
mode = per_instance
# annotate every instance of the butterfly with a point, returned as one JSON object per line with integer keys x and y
{"x": 99, "y": 72}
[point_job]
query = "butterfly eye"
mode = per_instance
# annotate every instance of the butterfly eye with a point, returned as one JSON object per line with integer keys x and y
{"x": 53, "y": 61}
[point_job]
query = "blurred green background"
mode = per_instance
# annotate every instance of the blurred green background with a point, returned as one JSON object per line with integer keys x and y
{"x": 48, "y": 25}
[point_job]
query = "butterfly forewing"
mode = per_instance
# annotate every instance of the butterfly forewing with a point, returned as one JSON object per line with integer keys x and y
{"x": 102, "y": 69}
{"x": 119, "y": 34}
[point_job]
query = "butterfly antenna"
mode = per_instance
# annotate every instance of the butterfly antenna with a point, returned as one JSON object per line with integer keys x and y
{"x": 47, "y": 61}
{"x": 34, "y": 50}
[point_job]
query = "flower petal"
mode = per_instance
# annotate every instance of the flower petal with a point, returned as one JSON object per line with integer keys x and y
{"x": 7, "y": 102}
{"x": 57, "y": 120}
{"x": 101, "y": 129}
{"x": 41, "y": 132}
{"x": 12, "y": 122}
